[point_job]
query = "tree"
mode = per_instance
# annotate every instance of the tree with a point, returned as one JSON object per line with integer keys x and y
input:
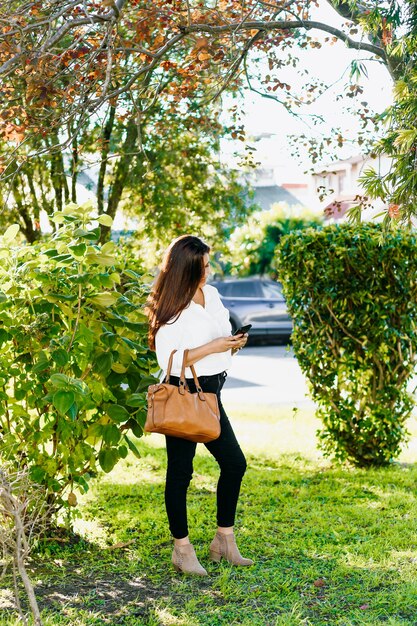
{"x": 398, "y": 187}
{"x": 72, "y": 57}
{"x": 178, "y": 184}
{"x": 61, "y": 61}
{"x": 171, "y": 170}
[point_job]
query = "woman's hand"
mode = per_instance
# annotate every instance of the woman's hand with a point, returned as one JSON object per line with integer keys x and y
{"x": 241, "y": 342}
{"x": 221, "y": 344}
{"x": 233, "y": 342}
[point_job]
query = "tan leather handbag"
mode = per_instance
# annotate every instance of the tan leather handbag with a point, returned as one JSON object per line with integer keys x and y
{"x": 174, "y": 410}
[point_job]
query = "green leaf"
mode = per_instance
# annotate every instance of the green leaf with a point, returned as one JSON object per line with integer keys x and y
{"x": 106, "y": 282}
{"x": 58, "y": 218}
{"x": 131, "y": 274}
{"x": 109, "y": 339}
{"x": 60, "y": 357}
{"x": 145, "y": 382}
{"x": 4, "y": 336}
{"x": 136, "y": 399}
{"x": 63, "y": 401}
{"x": 123, "y": 452}
{"x": 19, "y": 394}
{"x": 11, "y": 233}
{"x": 108, "y": 459}
{"x": 135, "y": 427}
{"x": 37, "y": 474}
{"x": 105, "y": 220}
{"x": 95, "y": 258}
{"x": 119, "y": 368}
{"x": 78, "y": 250}
{"x": 132, "y": 447}
{"x": 108, "y": 248}
{"x": 51, "y": 252}
{"x": 103, "y": 363}
{"x": 117, "y": 412}
{"x": 41, "y": 365}
{"x": 139, "y": 328}
{"x": 95, "y": 430}
{"x": 111, "y": 434}
{"x": 73, "y": 411}
{"x": 59, "y": 380}
{"x": 90, "y": 235}
{"x": 64, "y": 259}
{"x": 105, "y": 299}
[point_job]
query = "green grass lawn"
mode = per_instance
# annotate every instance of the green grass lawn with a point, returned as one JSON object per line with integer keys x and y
{"x": 332, "y": 545}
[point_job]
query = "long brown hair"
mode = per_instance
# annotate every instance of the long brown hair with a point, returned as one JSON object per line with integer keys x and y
{"x": 181, "y": 272}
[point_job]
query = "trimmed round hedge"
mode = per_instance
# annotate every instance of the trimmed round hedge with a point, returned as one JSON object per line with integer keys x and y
{"x": 351, "y": 291}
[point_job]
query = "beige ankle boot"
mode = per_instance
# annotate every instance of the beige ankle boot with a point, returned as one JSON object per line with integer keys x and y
{"x": 185, "y": 560}
{"x": 225, "y": 546}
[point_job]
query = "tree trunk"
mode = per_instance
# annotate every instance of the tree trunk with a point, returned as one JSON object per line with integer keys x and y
{"x": 74, "y": 170}
{"x": 121, "y": 175}
{"x": 107, "y": 131}
{"x": 36, "y": 206}
{"x": 59, "y": 181}
{"x": 31, "y": 233}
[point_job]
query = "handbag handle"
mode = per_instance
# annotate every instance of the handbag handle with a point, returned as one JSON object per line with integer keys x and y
{"x": 183, "y": 383}
{"x": 168, "y": 374}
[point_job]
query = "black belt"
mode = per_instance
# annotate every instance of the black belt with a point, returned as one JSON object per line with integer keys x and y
{"x": 210, "y": 383}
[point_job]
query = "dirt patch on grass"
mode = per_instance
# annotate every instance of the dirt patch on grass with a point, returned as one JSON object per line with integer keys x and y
{"x": 108, "y": 599}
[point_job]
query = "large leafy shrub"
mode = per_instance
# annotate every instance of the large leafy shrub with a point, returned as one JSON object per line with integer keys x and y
{"x": 352, "y": 294}
{"x": 74, "y": 361}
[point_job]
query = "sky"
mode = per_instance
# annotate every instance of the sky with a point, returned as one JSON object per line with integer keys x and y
{"x": 263, "y": 116}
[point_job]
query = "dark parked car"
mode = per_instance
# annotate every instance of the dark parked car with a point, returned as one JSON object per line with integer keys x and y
{"x": 256, "y": 301}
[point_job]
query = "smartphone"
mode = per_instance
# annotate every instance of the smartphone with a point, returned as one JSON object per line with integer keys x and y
{"x": 243, "y": 330}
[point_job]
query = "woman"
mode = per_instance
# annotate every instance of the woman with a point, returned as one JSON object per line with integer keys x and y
{"x": 185, "y": 313}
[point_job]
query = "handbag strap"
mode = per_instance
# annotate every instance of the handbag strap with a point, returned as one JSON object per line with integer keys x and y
{"x": 183, "y": 383}
{"x": 169, "y": 368}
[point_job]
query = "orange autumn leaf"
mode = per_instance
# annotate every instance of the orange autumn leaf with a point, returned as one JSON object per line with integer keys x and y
{"x": 203, "y": 56}
{"x": 394, "y": 211}
{"x": 11, "y": 132}
{"x": 201, "y": 43}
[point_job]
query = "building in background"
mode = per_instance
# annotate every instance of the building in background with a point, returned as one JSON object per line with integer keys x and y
{"x": 276, "y": 177}
{"x": 330, "y": 191}
{"x": 339, "y": 187}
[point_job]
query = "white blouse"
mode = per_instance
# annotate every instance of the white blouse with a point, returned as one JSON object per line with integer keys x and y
{"x": 195, "y": 326}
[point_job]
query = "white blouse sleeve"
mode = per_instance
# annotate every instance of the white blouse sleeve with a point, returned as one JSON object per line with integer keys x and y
{"x": 168, "y": 338}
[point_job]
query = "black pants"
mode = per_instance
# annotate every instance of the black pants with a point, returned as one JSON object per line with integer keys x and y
{"x": 180, "y": 453}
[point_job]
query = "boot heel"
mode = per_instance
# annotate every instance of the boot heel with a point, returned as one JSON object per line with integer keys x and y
{"x": 215, "y": 556}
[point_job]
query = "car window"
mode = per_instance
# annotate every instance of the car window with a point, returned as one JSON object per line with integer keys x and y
{"x": 222, "y": 288}
{"x": 243, "y": 290}
{"x": 270, "y": 290}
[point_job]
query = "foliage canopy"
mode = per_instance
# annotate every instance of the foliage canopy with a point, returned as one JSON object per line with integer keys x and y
{"x": 65, "y": 62}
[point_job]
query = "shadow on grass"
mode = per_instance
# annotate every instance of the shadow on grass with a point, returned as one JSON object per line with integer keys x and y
{"x": 331, "y": 545}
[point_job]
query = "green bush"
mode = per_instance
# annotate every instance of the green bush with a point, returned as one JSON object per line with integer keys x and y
{"x": 74, "y": 361}
{"x": 251, "y": 247}
{"x": 352, "y": 294}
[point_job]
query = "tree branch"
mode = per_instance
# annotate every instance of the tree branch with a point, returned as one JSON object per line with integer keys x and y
{"x": 286, "y": 25}
{"x": 347, "y": 10}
